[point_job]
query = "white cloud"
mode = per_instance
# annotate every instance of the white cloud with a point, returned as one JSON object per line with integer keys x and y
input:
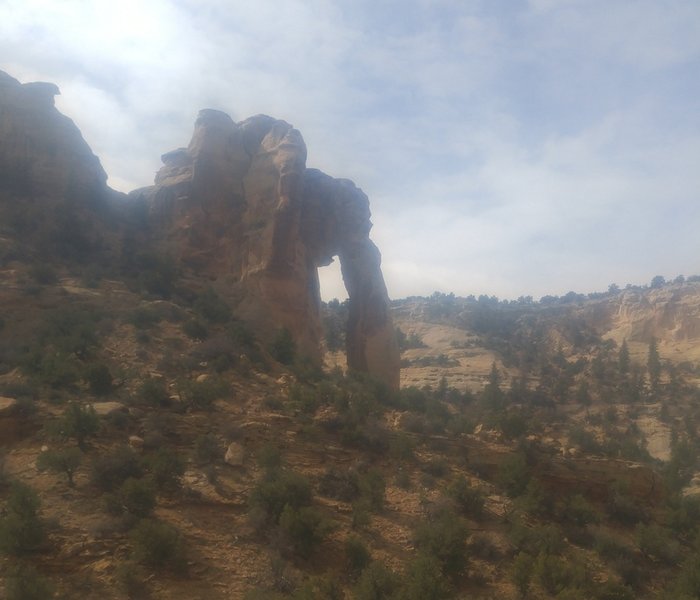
{"x": 506, "y": 150}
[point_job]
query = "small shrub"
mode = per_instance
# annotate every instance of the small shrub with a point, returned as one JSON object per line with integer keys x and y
{"x": 578, "y": 511}
{"x": 283, "y": 488}
{"x": 401, "y": 447}
{"x": 114, "y": 468}
{"x": 43, "y": 274}
{"x": 514, "y": 475}
{"x": 622, "y": 507}
{"x": 283, "y": 347}
{"x": 166, "y": 468}
{"x": 99, "y": 379}
{"x": 555, "y": 574}
{"x": 23, "y": 582}
{"x": 436, "y": 467}
{"x": 357, "y": 556}
{"x": 144, "y": 318}
{"x": 21, "y": 529}
{"x": 131, "y": 579}
{"x": 424, "y": 580}
{"x": 302, "y": 529}
{"x": 372, "y": 489}
{"x": 340, "y": 485}
{"x": 444, "y": 538}
{"x": 376, "y": 583}
{"x": 158, "y": 545}
{"x": 212, "y": 307}
{"x": 135, "y": 498}
{"x": 361, "y": 514}
{"x": 657, "y": 543}
{"x": 536, "y": 500}
{"x": 522, "y": 573}
{"x": 61, "y": 461}
{"x": 206, "y": 449}
{"x": 469, "y": 500}
{"x": 202, "y": 394}
{"x": 612, "y": 590}
{"x": 270, "y": 458}
{"x": 154, "y": 392}
{"x": 195, "y": 329}
{"x": 79, "y": 422}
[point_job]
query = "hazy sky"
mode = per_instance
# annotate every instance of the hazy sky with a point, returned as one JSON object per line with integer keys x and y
{"x": 508, "y": 147}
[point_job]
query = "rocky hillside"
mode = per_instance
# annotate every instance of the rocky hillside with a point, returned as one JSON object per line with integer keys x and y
{"x": 160, "y": 440}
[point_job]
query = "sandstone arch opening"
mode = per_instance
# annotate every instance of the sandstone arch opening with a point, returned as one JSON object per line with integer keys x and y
{"x": 334, "y": 313}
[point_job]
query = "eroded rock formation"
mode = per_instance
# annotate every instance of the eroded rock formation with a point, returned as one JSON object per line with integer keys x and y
{"x": 239, "y": 206}
{"x": 42, "y": 153}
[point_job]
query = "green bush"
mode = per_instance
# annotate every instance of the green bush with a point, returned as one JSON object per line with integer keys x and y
{"x": 276, "y": 491}
{"x": 555, "y": 574}
{"x": 158, "y": 545}
{"x": 135, "y": 498}
{"x": 302, "y": 529}
{"x": 166, "y": 468}
{"x": 131, "y": 579}
{"x": 578, "y": 511}
{"x": 61, "y": 461}
{"x": 424, "y": 580}
{"x": 43, "y": 274}
{"x": 545, "y": 539}
{"x": 195, "y": 329}
{"x": 514, "y": 475}
{"x": 212, "y": 308}
{"x": 114, "y": 468}
{"x": 154, "y": 392}
{"x": 23, "y": 582}
{"x": 357, "y": 557}
{"x": 376, "y": 583}
{"x": 372, "y": 488}
{"x": 145, "y": 318}
{"x": 340, "y": 485}
{"x": 79, "y": 422}
{"x": 207, "y": 449}
{"x": 623, "y": 507}
{"x": 283, "y": 347}
{"x": 536, "y": 500}
{"x": 202, "y": 394}
{"x": 444, "y": 538}
{"x": 469, "y": 500}
{"x": 99, "y": 379}
{"x": 21, "y": 529}
{"x": 612, "y": 590}
{"x": 522, "y": 573}
{"x": 657, "y": 543}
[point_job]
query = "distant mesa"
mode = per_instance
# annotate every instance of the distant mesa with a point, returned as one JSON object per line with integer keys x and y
{"x": 237, "y": 206}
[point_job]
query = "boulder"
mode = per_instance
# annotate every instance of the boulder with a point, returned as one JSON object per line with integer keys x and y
{"x": 7, "y": 406}
{"x": 234, "y": 455}
{"x": 106, "y": 409}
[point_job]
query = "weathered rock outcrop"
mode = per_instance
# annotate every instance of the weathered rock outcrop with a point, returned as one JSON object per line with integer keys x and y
{"x": 239, "y": 206}
{"x": 52, "y": 187}
{"x": 42, "y": 153}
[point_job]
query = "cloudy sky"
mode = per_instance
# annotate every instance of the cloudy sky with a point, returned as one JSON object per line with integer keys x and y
{"x": 508, "y": 147}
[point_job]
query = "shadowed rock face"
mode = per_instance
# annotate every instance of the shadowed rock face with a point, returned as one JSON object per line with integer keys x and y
{"x": 42, "y": 153}
{"x": 240, "y": 206}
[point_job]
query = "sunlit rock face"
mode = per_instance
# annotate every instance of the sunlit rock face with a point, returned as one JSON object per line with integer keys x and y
{"x": 239, "y": 206}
